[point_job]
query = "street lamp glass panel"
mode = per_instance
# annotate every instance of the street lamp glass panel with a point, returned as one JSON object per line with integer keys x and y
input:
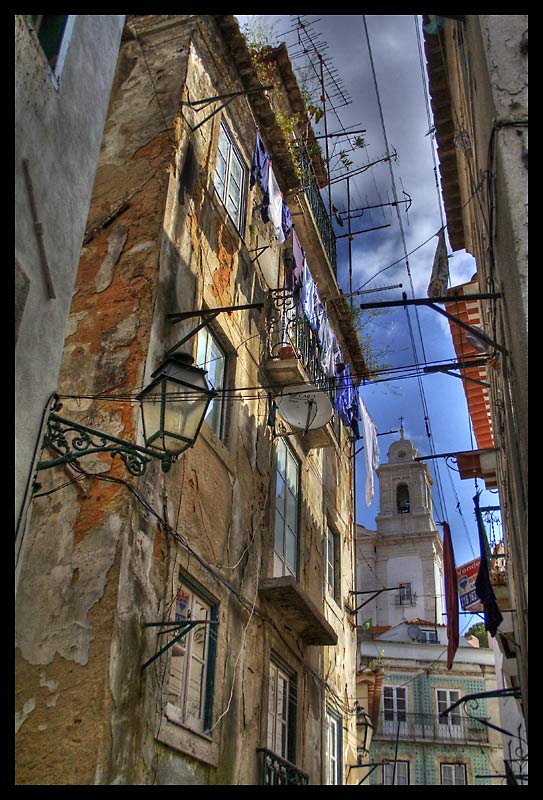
{"x": 174, "y": 406}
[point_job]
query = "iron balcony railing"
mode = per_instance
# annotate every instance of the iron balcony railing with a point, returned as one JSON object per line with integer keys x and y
{"x": 277, "y": 771}
{"x": 292, "y": 336}
{"x": 318, "y": 209}
{"x": 454, "y": 728}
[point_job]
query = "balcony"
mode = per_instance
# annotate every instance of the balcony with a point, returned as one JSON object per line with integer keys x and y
{"x": 298, "y": 611}
{"x": 294, "y": 357}
{"x": 277, "y": 771}
{"x": 318, "y": 209}
{"x": 456, "y": 728}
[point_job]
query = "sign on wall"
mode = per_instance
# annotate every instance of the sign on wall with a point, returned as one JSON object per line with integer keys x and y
{"x": 467, "y": 575}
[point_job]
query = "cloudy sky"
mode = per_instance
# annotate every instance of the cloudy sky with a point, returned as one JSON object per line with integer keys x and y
{"x": 345, "y": 42}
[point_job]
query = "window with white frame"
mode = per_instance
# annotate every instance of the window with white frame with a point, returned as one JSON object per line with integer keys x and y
{"x": 453, "y": 774}
{"x": 192, "y": 664}
{"x": 211, "y": 357}
{"x": 334, "y": 748}
{"x": 396, "y": 773}
{"x": 332, "y": 563}
{"x": 287, "y": 498}
{"x": 281, "y": 712}
{"x": 53, "y": 32}
{"x": 449, "y": 726}
{"x": 230, "y": 177}
{"x": 394, "y": 708}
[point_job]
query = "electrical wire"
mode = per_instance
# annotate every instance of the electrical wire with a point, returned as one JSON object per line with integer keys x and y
{"x": 424, "y": 404}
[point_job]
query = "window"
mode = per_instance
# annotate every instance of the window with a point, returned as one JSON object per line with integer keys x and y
{"x": 396, "y": 773}
{"x": 192, "y": 664}
{"x": 53, "y": 32}
{"x": 230, "y": 178}
{"x": 405, "y": 597}
{"x": 334, "y": 749}
{"x": 282, "y": 713}
{"x": 428, "y": 636}
{"x": 332, "y": 563}
{"x": 449, "y": 726}
{"x": 286, "y": 511}
{"x": 211, "y": 357}
{"x": 394, "y": 709}
{"x": 453, "y": 774}
{"x": 402, "y": 498}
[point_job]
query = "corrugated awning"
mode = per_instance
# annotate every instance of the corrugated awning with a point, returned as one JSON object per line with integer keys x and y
{"x": 477, "y": 396}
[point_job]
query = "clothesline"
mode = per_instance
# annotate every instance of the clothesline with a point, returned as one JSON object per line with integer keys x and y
{"x": 348, "y": 402}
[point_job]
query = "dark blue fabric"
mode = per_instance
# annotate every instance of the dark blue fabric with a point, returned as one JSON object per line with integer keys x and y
{"x": 483, "y": 586}
{"x": 259, "y": 165}
{"x": 286, "y": 220}
{"x": 347, "y": 401}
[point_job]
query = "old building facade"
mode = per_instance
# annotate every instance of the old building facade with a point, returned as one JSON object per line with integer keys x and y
{"x": 62, "y": 63}
{"x": 193, "y": 626}
{"x": 403, "y": 679}
{"x": 478, "y": 82}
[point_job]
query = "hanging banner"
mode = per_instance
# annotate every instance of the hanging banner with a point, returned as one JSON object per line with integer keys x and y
{"x": 467, "y": 575}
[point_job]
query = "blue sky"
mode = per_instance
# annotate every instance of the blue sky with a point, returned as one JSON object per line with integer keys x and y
{"x": 401, "y": 95}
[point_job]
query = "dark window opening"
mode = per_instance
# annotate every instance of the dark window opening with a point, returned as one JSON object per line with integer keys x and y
{"x": 402, "y": 499}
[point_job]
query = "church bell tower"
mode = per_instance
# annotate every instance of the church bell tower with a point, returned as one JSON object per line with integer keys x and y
{"x": 405, "y": 554}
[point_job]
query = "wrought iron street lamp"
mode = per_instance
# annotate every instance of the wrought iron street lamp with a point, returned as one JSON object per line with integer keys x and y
{"x": 173, "y": 408}
{"x": 174, "y": 405}
{"x": 364, "y": 730}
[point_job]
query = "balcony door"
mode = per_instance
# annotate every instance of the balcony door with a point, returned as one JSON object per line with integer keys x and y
{"x": 450, "y": 726}
{"x": 395, "y": 710}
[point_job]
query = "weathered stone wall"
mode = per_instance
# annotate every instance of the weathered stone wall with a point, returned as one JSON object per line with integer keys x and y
{"x": 172, "y": 247}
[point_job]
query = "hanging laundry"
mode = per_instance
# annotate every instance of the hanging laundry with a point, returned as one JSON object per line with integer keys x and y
{"x": 295, "y": 267}
{"x": 310, "y": 297}
{"x": 275, "y": 208}
{"x": 260, "y": 171}
{"x": 371, "y": 447}
{"x": 329, "y": 347}
{"x": 259, "y": 165}
{"x": 286, "y": 220}
{"x": 346, "y": 397}
{"x": 451, "y": 595}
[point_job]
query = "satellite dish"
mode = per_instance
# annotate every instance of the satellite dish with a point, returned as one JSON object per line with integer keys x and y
{"x": 412, "y": 632}
{"x": 304, "y": 407}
